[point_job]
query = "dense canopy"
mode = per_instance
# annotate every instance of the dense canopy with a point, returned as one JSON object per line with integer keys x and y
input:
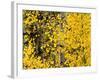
{"x": 56, "y": 39}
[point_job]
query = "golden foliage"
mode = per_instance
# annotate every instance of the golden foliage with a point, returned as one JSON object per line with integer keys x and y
{"x": 56, "y": 39}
